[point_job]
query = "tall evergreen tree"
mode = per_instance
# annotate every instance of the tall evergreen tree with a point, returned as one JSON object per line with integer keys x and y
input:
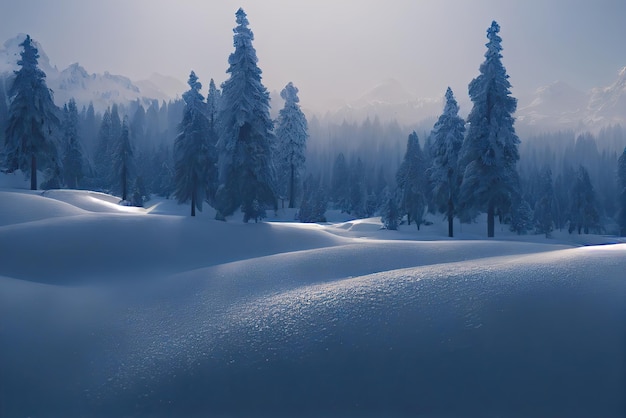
{"x": 195, "y": 162}
{"x": 340, "y": 187}
{"x": 314, "y": 201}
{"x": 246, "y": 168}
{"x": 213, "y": 106}
{"x": 583, "y": 213}
{"x": 489, "y": 154}
{"x": 123, "y": 161}
{"x": 33, "y": 119}
{"x": 291, "y": 135}
{"x": 411, "y": 181}
{"x": 621, "y": 175}
{"x": 358, "y": 190}
{"x": 102, "y": 153}
{"x": 544, "y": 207}
{"x": 73, "y": 167}
{"x": 444, "y": 174}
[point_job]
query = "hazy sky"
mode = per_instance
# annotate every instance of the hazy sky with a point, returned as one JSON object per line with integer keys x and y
{"x": 333, "y": 48}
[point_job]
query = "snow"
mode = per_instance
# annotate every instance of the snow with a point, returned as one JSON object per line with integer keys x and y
{"x": 108, "y": 310}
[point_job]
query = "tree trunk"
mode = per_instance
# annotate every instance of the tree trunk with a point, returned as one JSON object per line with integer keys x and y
{"x": 450, "y": 218}
{"x": 193, "y": 203}
{"x": 490, "y": 220}
{"x": 33, "y": 172}
{"x": 292, "y": 200}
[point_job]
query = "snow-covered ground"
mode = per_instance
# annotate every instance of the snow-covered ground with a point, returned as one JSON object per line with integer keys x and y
{"x": 107, "y": 310}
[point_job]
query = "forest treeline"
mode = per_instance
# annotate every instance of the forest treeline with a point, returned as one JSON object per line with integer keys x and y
{"x": 225, "y": 150}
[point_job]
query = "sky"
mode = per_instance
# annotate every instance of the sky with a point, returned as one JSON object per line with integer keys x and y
{"x": 333, "y": 50}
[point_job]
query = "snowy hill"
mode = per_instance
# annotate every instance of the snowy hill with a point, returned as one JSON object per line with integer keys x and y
{"x": 107, "y": 310}
{"x": 101, "y": 89}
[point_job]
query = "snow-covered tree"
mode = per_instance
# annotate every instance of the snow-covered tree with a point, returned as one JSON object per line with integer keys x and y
{"x": 213, "y": 106}
{"x": 123, "y": 161}
{"x": 73, "y": 167}
{"x": 521, "y": 216}
{"x": 102, "y": 154}
{"x": 583, "y": 214}
{"x": 33, "y": 119}
{"x": 340, "y": 188}
{"x": 544, "y": 207}
{"x": 195, "y": 159}
{"x": 390, "y": 216}
{"x": 621, "y": 175}
{"x": 314, "y": 201}
{"x": 411, "y": 181}
{"x": 246, "y": 169}
{"x": 445, "y": 176}
{"x": 291, "y": 135}
{"x": 489, "y": 154}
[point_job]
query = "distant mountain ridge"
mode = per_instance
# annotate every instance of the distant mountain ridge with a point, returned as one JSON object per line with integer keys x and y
{"x": 557, "y": 106}
{"x": 100, "y": 89}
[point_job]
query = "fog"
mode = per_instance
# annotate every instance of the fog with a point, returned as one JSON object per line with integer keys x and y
{"x": 333, "y": 51}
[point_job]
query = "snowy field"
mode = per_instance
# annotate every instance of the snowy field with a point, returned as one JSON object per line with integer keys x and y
{"x": 112, "y": 311}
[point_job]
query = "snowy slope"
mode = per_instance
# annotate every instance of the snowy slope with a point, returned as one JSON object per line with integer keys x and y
{"x": 113, "y": 311}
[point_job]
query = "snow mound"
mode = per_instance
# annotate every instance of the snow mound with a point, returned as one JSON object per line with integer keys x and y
{"x": 107, "y": 310}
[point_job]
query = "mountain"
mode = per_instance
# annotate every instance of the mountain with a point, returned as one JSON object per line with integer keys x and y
{"x": 561, "y": 106}
{"x": 389, "y": 100}
{"x": 557, "y": 104}
{"x": 101, "y": 89}
{"x": 608, "y": 105}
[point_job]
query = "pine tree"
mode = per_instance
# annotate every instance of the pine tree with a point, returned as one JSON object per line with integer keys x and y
{"x": 583, "y": 213}
{"x": 390, "y": 216}
{"x": 314, "y": 201}
{"x": 544, "y": 222}
{"x": 358, "y": 191}
{"x": 102, "y": 154}
{"x": 213, "y": 107}
{"x": 411, "y": 181}
{"x": 246, "y": 168}
{"x": 73, "y": 170}
{"x": 33, "y": 119}
{"x": 621, "y": 175}
{"x": 195, "y": 162}
{"x": 521, "y": 216}
{"x": 489, "y": 154}
{"x": 291, "y": 135}
{"x": 444, "y": 174}
{"x": 123, "y": 160}
{"x": 340, "y": 187}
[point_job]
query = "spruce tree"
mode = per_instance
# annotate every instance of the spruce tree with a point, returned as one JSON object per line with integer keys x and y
{"x": 195, "y": 162}
{"x": 583, "y": 213}
{"x": 621, "y": 175}
{"x": 340, "y": 187}
{"x": 123, "y": 161}
{"x": 357, "y": 190}
{"x": 246, "y": 168}
{"x": 33, "y": 119}
{"x": 102, "y": 154}
{"x": 544, "y": 207}
{"x": 390, "y": 215}
{"x": 291, "y": 135}
{"x": 489, "y": 154}
{"x": 73, "y": 167}
{"x": 444, "y": 174}
{"x": 411, "y": 181}
{"x": 314, "y": 201}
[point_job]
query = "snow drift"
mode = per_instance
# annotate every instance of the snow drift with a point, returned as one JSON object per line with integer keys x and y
{"x": 113, "y": 311}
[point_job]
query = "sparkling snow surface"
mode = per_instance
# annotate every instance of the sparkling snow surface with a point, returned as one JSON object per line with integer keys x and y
{"x": 107, "y": 310}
